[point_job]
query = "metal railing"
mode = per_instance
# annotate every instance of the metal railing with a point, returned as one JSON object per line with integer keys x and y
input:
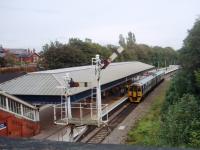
{"x": 17, "y": 107}
{"x": 82, "y": 113}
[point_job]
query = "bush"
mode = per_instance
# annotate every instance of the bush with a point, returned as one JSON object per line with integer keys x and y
{"x": 181, "y": 126}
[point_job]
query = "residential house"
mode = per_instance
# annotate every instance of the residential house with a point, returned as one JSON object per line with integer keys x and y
{"x": 21, "y": 55}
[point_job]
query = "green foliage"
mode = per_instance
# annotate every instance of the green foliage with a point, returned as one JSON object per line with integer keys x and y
{"x": 157, "y": 56}
{"x": 181, "y": 123}
{"x": 190, "y": 53}
{"x": 74, "y": 53}
{"x": 2, "y": 62}
{"x": 122, "y": 41}
{"x": 63, "y": 56}
{"x": 181, "y": 111}
{"x": 197, "y": 78}
{"x": 77, "y": 52}
{"x": 130, "y": 40}
{"x": 146, "y": 130}
{"x": 10, "y": 59}
{"x": 180, "y": 85}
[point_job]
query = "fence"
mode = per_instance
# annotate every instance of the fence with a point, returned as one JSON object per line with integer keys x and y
{"x": 82, "y": 113}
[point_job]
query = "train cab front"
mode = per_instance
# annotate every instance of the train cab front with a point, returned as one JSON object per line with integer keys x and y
{"x": 135, "y": 93}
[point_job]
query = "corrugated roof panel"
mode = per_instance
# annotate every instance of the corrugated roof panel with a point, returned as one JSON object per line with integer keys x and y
{"x": 46, "y": 82}
{"x": 32, "y": 84}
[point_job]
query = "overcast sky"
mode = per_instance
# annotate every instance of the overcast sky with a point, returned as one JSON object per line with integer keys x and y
{"x": 32, "y": 23}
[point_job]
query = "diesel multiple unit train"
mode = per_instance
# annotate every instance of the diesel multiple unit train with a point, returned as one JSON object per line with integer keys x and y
{"x": 141, "y": 87}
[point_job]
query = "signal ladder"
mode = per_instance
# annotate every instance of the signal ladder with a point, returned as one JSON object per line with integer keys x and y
{"x": 63, "y": 109}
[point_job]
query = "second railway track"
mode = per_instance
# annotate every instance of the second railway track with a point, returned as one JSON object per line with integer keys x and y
{"x": 99, "y": 134}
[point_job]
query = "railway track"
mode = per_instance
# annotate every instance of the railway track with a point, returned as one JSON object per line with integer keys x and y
{"x": 115, "y": 118}
{"x": 99, "y": 134}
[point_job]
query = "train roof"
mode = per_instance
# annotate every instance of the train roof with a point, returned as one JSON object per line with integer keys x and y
{"x": 159, "y": 72}
{"x": 145, "y": 80}
{"x": 150, "y": 77}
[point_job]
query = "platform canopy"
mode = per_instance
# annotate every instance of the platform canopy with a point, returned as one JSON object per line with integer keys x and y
{"x": 46, "y": 83}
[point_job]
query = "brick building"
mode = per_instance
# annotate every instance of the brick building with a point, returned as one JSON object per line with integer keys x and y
{"x": 21, "y": 55}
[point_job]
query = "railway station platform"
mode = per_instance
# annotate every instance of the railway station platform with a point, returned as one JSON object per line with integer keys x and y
{"x": 114, "y": 105}
{"x": 54, "y": 132}
{"x": 60, "y": 132}
{"x": 86, "y": 113}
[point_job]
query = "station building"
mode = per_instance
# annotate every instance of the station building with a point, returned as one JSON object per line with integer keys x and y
{"x": 44, "y": 87}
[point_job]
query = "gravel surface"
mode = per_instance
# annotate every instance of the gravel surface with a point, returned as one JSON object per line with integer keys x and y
{"x": 119, "y": 134}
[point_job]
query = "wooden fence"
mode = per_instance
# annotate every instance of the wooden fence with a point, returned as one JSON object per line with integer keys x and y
{"x": 18, "y": 69}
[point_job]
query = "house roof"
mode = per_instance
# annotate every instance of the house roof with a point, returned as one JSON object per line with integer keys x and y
{"x": 18, "y": 51}
{"x": 47, "y": 82}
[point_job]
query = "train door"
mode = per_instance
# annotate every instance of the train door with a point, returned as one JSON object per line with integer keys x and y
{"x": 134, "y": 93}
{"x": 130, "y": 93}
{"x": 139, "y": 93}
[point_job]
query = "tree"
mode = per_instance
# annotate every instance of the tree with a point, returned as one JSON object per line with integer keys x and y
{"x": 181, "y": 125}
{"x": 180, "y": 112}
{"x": 190, "y": 53}
{"x": 87, "y": 40}
{"x": 130, "y": 40}
{"x": 56, "y": 55}
{"x": 10, "y": 59}
{"x": 122, "y": 41}
{"x": 2, "y": 62}
{"x": 197, "y": 78}
{"x": 74, "y": 53}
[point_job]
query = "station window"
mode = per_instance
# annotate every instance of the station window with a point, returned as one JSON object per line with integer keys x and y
{"x": 14, "y": 106}
{"x": 28, "y": 112}
{"x": 2, "y": 101}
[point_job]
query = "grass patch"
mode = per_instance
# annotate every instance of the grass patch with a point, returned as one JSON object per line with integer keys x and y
{"x": 145, "y": 132}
